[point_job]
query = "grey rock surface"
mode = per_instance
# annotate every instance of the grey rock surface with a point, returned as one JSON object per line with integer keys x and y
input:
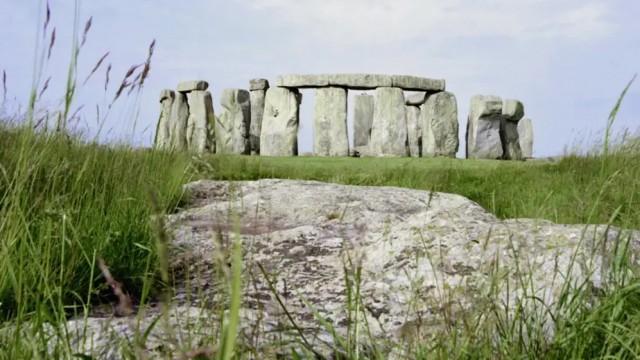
{"x": 330, "y": 137}
{"x": 279, "y": 135}
{"x": 414, "y": 131}
{"x": 416, "y": 83}
{"x": 201, "y": 117}
{"x": 163, "y": 129}
{"x": 525, "y": 134}
{"x": 362, "y": 119}
{"x": 232, "y": 126}
{"x": 483, "y": 128}
{"x": 428, "y": 260}
{"x": 416, "y": 99}
{"x": 512, "y": 112}
{"x": 361, "y": 81}
{"x": 178, "y": 122}
{"x": 258, "y": 84}
{"x": 389, "y": 129}
{"x": 439, "y": 116}
{"x": 257, "y": 113}
{"x": 192, "y": 85}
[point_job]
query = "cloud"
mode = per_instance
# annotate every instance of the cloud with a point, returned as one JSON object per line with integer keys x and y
{"x": 384, "y": 21}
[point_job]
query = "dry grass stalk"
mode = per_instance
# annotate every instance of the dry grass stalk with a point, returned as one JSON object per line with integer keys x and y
{"x": 87, "y": 27}
{"x": 52, "y": 42}
{"x": 96, "y": 67}
{"x": 47, "y": 18}
{"x": 106, "y": 80}
{"x": 125, "y": 305}
{"x": 45, "y": 86}
{"x": 4, "y": 85}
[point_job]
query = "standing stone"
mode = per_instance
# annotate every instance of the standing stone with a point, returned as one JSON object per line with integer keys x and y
{"x": 414, "y": 131}
{"x": 483, "y": 128}
{"x": 330, "y": 123}
{"x": 163, "y": 129}
{"x": 439, "y": 118}
{"x": 179, "y": 119}
{"x": 512, "y": 112}
{"x": 279, "y": 135}
{"x": 362, "y": 120}
{"x": 232, "y": 127}
{"x": 200, "y": 118}
{"x": 389, "y": 128}
{"x": 525, "y": 134}
{"x": 258, "y": 89}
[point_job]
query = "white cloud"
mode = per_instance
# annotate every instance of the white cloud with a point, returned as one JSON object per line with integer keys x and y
{"x": 383, "y": 21}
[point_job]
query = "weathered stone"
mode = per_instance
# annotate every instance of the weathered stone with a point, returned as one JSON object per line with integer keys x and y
{"x": 302, "y": 81}
{"x": 192, "y": 85}
{"x": 163, "y": 128}
{"x": 279, "y": 135}
{"x": 439, "y": 118}
{"x": 512, "y": 112}
{"x": 416, "y": 99}
{"x": 178, "y": 122}
{"x": 362, "y": 119}
{"x": 414, "y": 131}
{"x": 330, "y": 137}
{"x": 361, "y": 81}
{"x": 416, "y": 83}
{"x": 429, "y": 263}
{"x": 232, "y": 126}
{"x": 201, "y": 116}
{"x": 257, "y": 112}
{"x": 525, "y": 134}
{"x": 389, "y": 128}
{"x": 483, "y": 128}
{"x": 258, "y": 84}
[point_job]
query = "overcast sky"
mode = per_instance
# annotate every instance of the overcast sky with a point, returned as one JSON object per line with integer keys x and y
{"x": 567, "y": 60}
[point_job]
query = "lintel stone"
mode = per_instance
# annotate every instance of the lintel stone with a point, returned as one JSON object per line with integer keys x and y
{"x": 192, "y": 85}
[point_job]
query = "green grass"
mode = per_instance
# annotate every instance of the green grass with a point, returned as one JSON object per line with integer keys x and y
{"x": 63, "y": 204}
{"x": 572, "y": 190}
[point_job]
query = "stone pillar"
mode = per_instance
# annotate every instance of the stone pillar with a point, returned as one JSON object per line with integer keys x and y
{"x": 201, "y": 117}
{"x": 232, "y": 126}
{"x": 163, "y": 129}
{"x": 483, "y": 128}
{"x": 525, "y": 134}
{"x": 362, "y": 120}
{"x": 414, "y": 130}
{"x": 258, "y": 88}
{"x": 389, "y": 127}
{"x": 440, "y": 125}
{"x": 279, "y": 135}
{"x": 512, "y": 113}
{"x": 179, "y": 118}
{"x": 330, "y": 137}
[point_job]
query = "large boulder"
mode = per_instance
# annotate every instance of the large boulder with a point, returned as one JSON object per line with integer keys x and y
{"x": 512, "y": 113}
{"x": 423, "y": 262}
{"x": 178, "y": 122}
{"x": 414, "y": 131}
{"x": 163, "y": 129}
{"x": 330, "y": 137}
{"x": 279, "y": 135}
{"x": 439, "y": 115}
{"x": 258, "y": 89}
{"x": 525, "y": 135}
{"x": 389, "y": 129}
{"x": 362, "y": 119}
{"x": 201, "y": 118}
{"x": 232, "y": 126}
{"x": 483, "y": 128}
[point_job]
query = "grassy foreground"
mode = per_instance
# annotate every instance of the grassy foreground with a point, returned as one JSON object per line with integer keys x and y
{"x": 64, "y": 204}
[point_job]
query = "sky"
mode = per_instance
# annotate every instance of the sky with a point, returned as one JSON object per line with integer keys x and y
{"x": 566, "y": 60}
